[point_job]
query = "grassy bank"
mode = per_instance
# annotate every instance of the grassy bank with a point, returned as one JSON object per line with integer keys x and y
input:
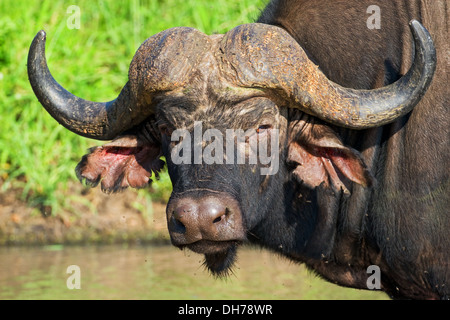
{"x": 38, "y": 156}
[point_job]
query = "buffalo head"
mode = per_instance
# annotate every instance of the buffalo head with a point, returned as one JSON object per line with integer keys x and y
{"x": 188, "y": 97}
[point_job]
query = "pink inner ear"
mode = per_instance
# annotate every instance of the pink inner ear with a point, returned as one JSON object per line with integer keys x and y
{"x": 310, "y": 169}
{"x": 332, "y": 166}
{"x": 349, "y": 164}
{"x": 120, "y": 164}
{"x": 122, "y": 169}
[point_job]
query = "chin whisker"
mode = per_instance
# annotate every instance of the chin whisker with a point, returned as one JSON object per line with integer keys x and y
{"x": 253, "y": 235}
{"x": 220, "y": 264}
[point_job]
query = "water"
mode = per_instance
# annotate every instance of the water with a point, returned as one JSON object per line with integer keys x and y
{"x": 156, "y": 272}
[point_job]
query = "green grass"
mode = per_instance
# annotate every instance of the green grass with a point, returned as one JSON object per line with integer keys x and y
{"x": 38, "y": 156}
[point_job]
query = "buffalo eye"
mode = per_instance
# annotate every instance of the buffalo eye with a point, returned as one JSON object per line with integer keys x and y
{"x": 263, "y": 128}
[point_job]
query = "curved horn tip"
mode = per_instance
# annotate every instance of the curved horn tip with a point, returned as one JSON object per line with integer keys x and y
{"x": 38, "y": 42}
{"x": 419, "y": 30}
{"x": 414, "y": 22}
{"x": 41, "y": 35}
{"x": 423, "y": 37}
{"x": 417, "y": 27}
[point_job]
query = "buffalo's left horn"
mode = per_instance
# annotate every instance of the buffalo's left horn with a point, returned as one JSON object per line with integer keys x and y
{"x": 162, "y": 63}
{"x": 90, "y": 119}
{"x": 265, "y": 56}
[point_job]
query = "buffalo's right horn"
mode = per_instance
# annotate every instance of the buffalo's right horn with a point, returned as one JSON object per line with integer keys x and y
{"x": 266, "y": 56}
{"x": 162, "y": 63}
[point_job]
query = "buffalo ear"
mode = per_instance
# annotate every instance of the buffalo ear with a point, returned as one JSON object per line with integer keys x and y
{"x": 318, "y": 156}
{"x": 125, "y": 162}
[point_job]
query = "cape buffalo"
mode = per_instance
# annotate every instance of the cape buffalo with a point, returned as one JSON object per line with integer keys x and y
{"x": 339, "y": 94}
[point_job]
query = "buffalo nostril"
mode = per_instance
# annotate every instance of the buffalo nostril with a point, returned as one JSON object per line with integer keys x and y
{"x": 178, "y": 226}
{"x": 221, "y": 217}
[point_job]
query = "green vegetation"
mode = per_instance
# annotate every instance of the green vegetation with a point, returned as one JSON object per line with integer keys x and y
{"x": 38, "y": 156}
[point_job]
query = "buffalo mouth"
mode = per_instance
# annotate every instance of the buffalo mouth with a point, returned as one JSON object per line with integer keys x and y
{"x": 219, "y": 255}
